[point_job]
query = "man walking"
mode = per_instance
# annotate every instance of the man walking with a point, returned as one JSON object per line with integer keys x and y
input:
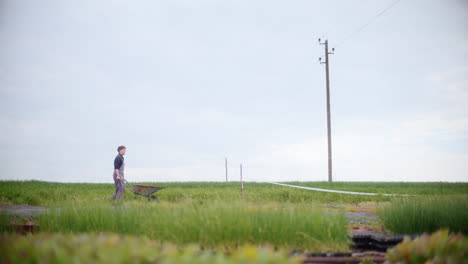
{"x": 119, "y": 167}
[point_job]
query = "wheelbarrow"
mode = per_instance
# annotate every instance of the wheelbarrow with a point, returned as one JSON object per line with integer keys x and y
{"x": 144, "y": 190}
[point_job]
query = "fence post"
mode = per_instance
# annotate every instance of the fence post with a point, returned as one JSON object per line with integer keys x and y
{"x": 241, "y": 182}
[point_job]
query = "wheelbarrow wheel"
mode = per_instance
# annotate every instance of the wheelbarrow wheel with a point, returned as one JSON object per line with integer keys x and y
{"x": 153, "y": 198}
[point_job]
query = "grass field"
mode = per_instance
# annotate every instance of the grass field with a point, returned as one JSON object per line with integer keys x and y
{"x": 213, "y": 215}
{"x": 56, "y": 194}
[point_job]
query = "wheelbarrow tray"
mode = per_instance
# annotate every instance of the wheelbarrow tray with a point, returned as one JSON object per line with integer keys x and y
{"x": 145, "y": 190}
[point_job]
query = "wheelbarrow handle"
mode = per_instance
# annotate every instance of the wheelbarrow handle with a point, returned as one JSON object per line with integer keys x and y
{"x": 128, "y": 185}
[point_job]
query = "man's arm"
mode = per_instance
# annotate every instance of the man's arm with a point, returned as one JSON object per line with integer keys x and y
{"x": 117, "y": 164}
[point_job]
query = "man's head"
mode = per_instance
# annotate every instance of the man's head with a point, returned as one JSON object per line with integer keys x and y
{"x": 121, "y": 150}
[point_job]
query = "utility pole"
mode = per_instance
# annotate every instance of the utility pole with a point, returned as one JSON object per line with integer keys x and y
{"x": 225, "y": 165}
{"x": 326, "y": 62}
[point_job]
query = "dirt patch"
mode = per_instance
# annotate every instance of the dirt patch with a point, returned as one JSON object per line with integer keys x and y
{"x": 362, "y": 218}
{"x": 358, "y": 214}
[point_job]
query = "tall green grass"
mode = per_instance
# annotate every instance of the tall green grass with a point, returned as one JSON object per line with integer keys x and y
{"x": 426, "y": 214}
{"x": 211, "y": 225}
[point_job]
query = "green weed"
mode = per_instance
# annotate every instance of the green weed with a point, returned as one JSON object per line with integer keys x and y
{"x": 426, "y": 214}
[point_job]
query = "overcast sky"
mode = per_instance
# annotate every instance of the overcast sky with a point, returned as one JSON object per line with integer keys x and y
{"x": 184, "y": 84}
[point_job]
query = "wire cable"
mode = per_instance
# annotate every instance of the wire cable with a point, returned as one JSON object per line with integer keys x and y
{"x": 368, "y": 23}
{"x": 335, "y": 191}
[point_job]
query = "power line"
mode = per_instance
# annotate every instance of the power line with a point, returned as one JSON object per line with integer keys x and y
{"x": 368, "y": 23}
